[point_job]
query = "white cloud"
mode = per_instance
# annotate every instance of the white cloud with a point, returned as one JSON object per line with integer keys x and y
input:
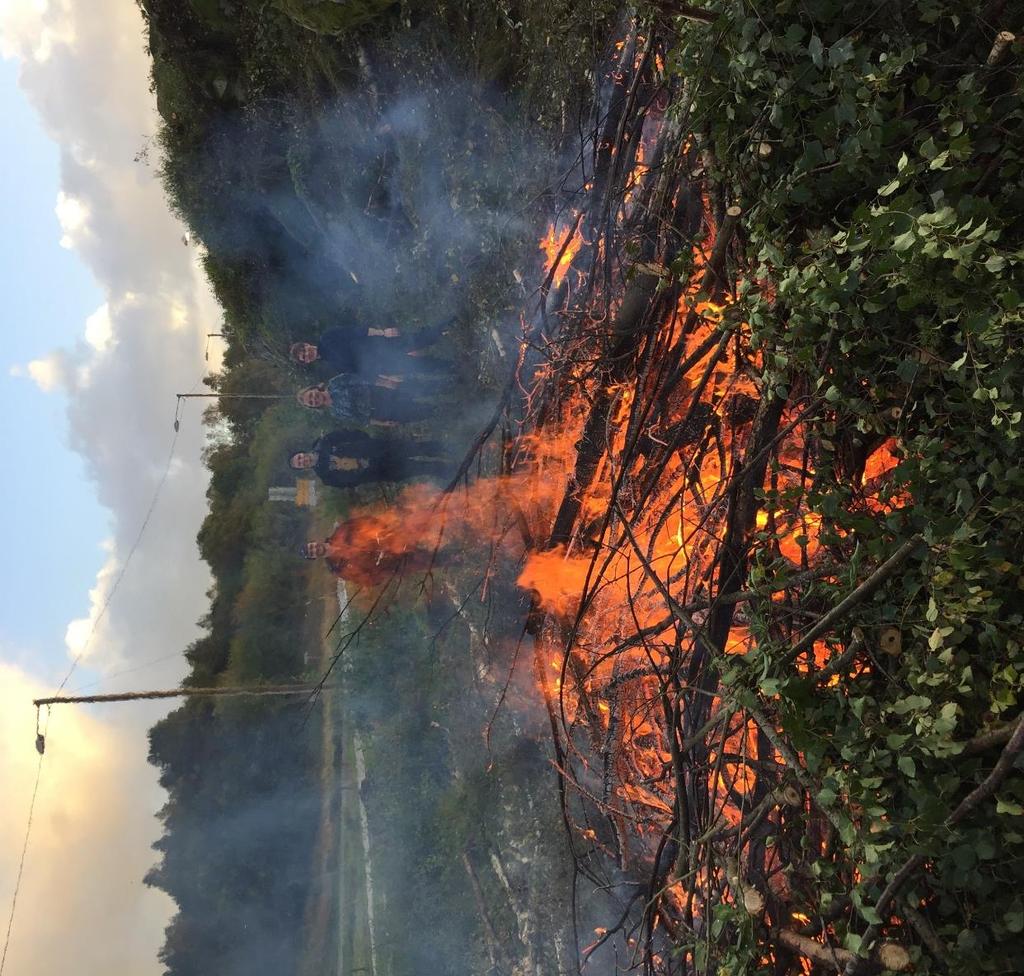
{"x": 79, "y": 637}
{"x": 73, "y": 217}
{"x": 46, "y": 373}
{"x": 81, "y": 906}
{"x": 22, "y": 29}
{"x": 99, "y": 330}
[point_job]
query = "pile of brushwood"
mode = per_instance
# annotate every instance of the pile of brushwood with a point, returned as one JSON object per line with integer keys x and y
{"x": 794, "y": 327}
{"x": 786, "y": 723}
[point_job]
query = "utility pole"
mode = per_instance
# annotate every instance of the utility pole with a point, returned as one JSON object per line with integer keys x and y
{"x": 226, "y": 692}
{"x": 234, "y": 396}
{"x": 224, "y": 396}
{"x": 209, "y": 336}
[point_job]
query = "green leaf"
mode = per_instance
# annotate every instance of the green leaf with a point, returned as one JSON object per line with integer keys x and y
{"x": 869, "y": 915}
{"x": 1014, "y": 918}
{"x": 840, "y": 52}
{"x": 890, "y": 188}
{"x": 907, "y": 767}
{"x": 904, "y": 241}
{"x": 815, "y": 48}
{"x": 995, "y": 263}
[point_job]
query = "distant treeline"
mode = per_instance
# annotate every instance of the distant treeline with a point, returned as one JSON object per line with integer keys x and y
{"x": 238, "y": 834}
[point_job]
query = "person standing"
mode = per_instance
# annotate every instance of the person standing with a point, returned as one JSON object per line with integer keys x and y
{"x": 369, "y": 559}
{"x": 370, "y": 352}
{"x": 348, "y": 458}
{"x": 385, "y": 401}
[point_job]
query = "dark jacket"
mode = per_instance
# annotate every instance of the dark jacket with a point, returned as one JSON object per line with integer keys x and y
{"x": 360, "y": 401}
{"x": 347, "y": 458}
{"x": 353, "y": 351}
{"x": 355, "y": 446}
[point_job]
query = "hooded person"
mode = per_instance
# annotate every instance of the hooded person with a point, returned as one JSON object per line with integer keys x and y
{"x": 348, "y": 458}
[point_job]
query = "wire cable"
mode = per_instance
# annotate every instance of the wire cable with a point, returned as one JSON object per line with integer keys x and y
{"x": 125, "y": 564}
{"x": 71, "y": 671}
{"x": 21, "y": 863}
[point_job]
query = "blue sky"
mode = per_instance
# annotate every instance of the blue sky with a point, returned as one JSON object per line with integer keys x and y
{"x": 100, "y": 333}
{"x": 52, "y": 523}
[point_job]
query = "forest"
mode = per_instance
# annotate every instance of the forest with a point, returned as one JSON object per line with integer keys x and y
{"x": 716, "y": 666}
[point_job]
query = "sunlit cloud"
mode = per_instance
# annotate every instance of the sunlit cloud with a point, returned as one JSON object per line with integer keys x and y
{"x": 80, "y": 637}
{"x": 83, "y": 860}
{"x": 34, "y": 29}
{"x": 99, "y": 331}
{"x": 73, "y": 217}
{"x": 47, "y": 373}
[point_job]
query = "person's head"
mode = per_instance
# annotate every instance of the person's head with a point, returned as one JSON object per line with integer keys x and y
{"x": 304, "y": 352}
{"x": 314, "y": 397}
{"x": 313, "y": 550}
{"x": 301, "y": 460}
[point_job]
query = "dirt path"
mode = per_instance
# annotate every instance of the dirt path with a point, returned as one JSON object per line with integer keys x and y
{"x": 364, "y": 833}
{"x": 322, "y": 936}
{"x": 339, "y": 924}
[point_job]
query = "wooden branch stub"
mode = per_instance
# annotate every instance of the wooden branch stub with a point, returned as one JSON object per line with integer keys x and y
{"x": 790, "y": 796}
{"x": 999, "y": 47}
{"x": 893, "y": 956}
{"x": 713, "y": 281}
{"x": 834, "y": 958}
{"x": 890, "y": 955}
{"x": 890, "y": 640}
{"x": 753, "y": 901}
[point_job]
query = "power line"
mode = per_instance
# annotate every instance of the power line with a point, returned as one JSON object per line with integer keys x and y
{"x": 21, "y": 863}
{"x": 41, "y": 737}
{"x": 124, "y": 566}
{"x": 67, "y": 677}
{"x": 131, "y": 670}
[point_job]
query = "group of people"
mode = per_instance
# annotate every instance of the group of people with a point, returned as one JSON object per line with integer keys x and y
{"x": 381, "y": 379}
